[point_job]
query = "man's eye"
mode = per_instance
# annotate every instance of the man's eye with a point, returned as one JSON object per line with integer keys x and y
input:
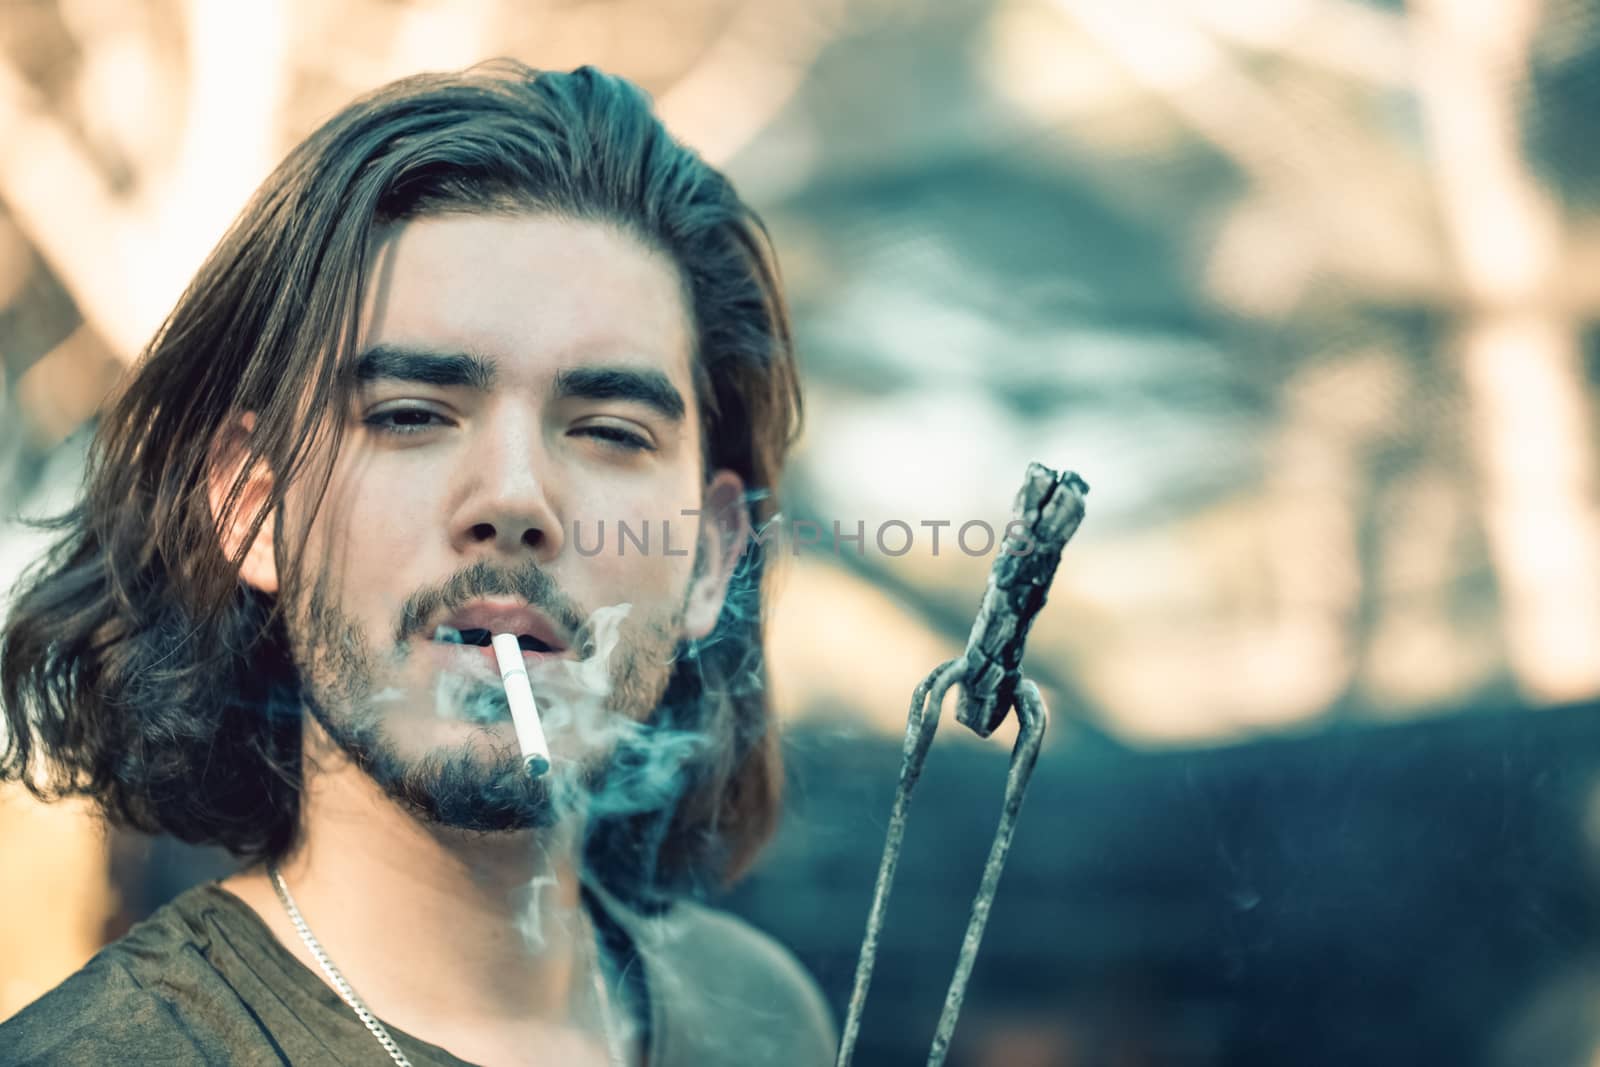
{"x": 404, "y": 420}
{"x": 617, "y": 437}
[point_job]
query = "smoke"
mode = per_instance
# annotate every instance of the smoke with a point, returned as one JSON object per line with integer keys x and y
{"x": 608, "y": 760}
{"x": 604, "y": 761}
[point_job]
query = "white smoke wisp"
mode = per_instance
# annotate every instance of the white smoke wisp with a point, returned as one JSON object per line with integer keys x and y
{"x": 644, "y": 761}
{"x": 533, "y": 901}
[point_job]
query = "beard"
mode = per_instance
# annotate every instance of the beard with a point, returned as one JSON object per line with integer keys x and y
{"x": 478, "y": 784}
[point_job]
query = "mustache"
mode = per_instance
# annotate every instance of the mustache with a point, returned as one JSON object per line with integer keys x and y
{"x": 482, "y": 579}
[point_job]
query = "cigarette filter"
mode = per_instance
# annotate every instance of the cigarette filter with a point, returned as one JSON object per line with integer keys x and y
{"x": 524, "y": 712}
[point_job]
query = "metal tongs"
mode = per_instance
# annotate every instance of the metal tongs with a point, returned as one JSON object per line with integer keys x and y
{"x": 1048, "y": 510}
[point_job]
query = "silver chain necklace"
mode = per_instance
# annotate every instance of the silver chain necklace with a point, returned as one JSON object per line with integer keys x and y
{"x": 348, "y": 994}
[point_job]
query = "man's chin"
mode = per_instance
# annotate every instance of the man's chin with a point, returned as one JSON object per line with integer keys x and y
{"x": 465, "y": 786}
{"x": 476, "y": 814}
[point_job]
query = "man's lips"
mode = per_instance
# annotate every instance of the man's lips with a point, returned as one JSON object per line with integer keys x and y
{"x": 479, "y": 661}
{"x": 482, "y": 637}
{"x": 475, "y": 622}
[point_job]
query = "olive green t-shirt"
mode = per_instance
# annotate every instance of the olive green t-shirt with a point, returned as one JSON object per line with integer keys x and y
{"x": 203, "y": 981}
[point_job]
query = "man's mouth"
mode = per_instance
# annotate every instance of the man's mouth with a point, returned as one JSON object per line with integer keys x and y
{"x": 480, "y": 636}
{"x": 477, "y": 621}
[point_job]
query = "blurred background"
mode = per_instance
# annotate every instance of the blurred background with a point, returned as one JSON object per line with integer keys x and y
{"x": 1307, "y": 290}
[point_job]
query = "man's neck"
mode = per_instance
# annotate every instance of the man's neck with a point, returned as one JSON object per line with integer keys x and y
{"x": 474, "y": 942}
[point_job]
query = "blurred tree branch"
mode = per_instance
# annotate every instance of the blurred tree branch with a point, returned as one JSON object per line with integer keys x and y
{"x": 125, "y": 258}
{"x": 1518, "y": 350}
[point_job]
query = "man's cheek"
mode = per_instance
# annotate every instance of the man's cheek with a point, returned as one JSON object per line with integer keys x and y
{"x": 645, "y": 580}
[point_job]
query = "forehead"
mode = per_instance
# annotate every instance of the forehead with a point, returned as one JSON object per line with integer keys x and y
{"x": 535, "y": 293}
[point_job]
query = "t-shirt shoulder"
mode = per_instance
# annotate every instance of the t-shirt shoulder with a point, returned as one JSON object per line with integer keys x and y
{"x": 726, "y": 993}
{"x": 103, "y": 1014}
{"x": 125, "y": 1004}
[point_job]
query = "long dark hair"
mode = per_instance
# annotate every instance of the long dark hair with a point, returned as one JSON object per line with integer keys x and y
{"x": 135, "y": 667}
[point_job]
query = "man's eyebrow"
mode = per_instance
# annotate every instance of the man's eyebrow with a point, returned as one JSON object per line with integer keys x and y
{"x": 425, "y": 366}
{"x": 642, "y": 385}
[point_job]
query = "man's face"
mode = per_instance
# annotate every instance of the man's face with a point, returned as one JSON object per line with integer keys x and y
{"x": 517, "y": 375}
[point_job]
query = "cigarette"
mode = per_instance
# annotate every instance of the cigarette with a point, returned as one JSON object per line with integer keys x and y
{"x": 524, "y": 712}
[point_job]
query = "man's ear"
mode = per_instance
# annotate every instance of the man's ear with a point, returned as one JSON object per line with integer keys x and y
{"x": 724, "y": 530}
{"x": 229, "y": 454}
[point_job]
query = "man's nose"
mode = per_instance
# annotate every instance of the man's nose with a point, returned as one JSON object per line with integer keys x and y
{"x": 507, "y": 509}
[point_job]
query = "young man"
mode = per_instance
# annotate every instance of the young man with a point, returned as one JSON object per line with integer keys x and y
{"x": 470, "y": 327}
